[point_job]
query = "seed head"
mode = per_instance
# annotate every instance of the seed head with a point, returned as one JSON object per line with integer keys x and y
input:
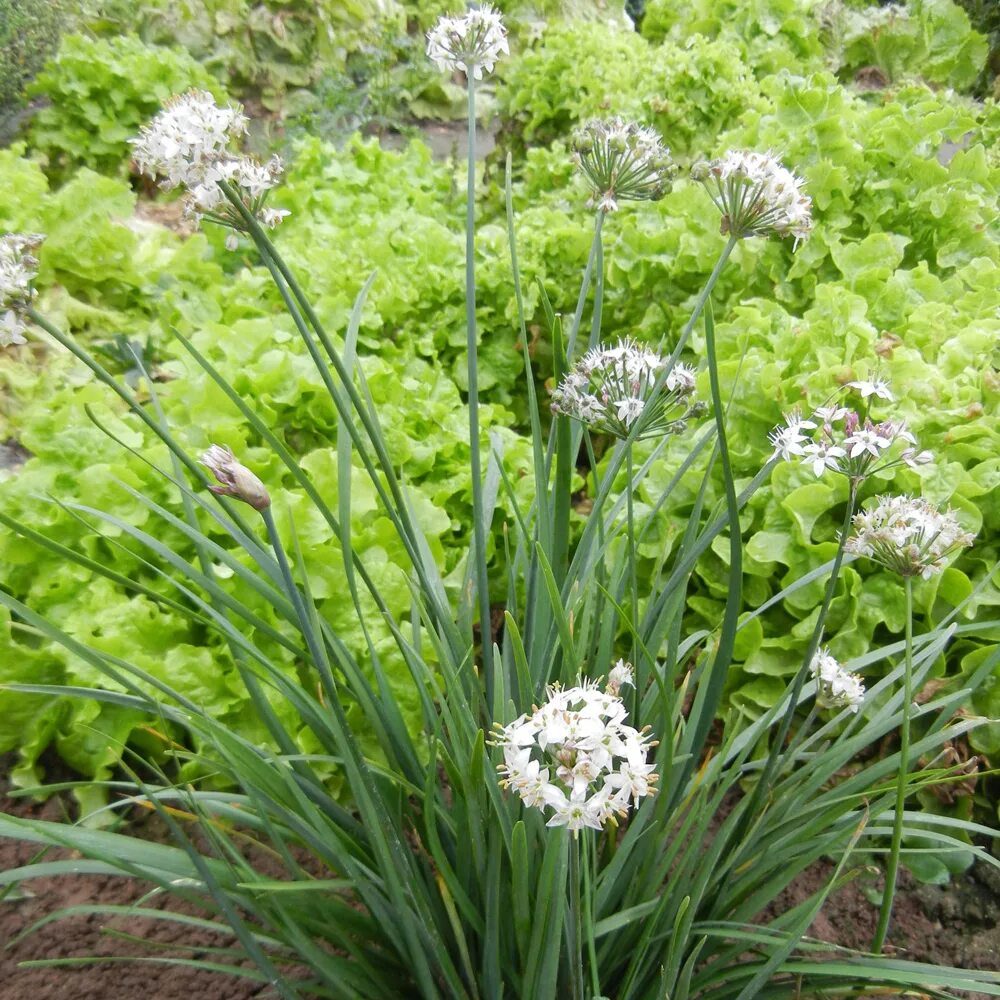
{"x": 623, "y": 162}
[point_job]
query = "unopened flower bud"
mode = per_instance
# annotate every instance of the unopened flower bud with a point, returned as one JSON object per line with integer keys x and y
{"x": 235, "y": 480}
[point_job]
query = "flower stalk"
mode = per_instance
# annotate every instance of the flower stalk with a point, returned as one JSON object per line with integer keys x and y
{"x": 892, "y": 866}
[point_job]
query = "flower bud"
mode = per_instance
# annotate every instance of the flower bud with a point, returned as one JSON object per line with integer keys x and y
{"x": 235, "y": 480}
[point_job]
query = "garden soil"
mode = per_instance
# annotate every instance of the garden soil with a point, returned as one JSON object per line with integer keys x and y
{"x": 954, "y": 925}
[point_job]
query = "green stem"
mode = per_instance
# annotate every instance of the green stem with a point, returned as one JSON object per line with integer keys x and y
{"x": 478, "y": 508}
{"x": 229, "y": 506}
{"x": 584, "y": 287}
{"x": 313, "y": 643}
{"x": 633, "y": 583}
{"x": 892, "y": 869}
{"x": 615, "y": 463}
{"x": 576, "y": 951}
{"x": 590, "y": 851}
{"x": 727, "y": 635}
{"x": 398, "y": 511}
{"x": 703, "y": 296}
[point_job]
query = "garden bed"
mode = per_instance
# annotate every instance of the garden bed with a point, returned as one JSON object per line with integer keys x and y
{"x": 955, "y": 924}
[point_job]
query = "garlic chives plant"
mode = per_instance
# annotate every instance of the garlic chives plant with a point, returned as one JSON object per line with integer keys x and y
{"x": 537, "y": 862}
{"x": 473, "y": 43}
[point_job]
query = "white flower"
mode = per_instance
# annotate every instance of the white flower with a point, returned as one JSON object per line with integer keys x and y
{"x": 235, "y": 480}
{"x": 473, "y": 41}
{"x": 610, "y": 389}
{"x": 12, "y": 328}
{"x": 789, "y": 441}
{"x": 623, "y": 162}
{"x": 907, "y": 535}
{"x": 822, "y": 456}
{"x": 830, "y": 414}
{"x": 188, "y": 145}
{"x": 836, "y": 687}
{"x": 581, "y": 737}
{"x": 875, "y": 387}
{"x": 18, "y": 268}
{"x": 620, "y": 674}
{"x": 756, "y": 195}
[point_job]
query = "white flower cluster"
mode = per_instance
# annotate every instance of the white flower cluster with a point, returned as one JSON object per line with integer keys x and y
{"x": 576, "y": 756}
{"x": 187, "y": 144}
{"x": 836, "y": 686}
{"x": 756, "y": 195}
{"x": 18, "y": 268}
{"x": 846, "y": 442}
{"x": 472, "y": 42}
{"x": 623, "y": 162}
{"x": 907, "y": 535}
{"x": 611, "y": 388}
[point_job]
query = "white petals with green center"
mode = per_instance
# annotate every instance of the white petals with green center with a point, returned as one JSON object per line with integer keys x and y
{"x": 756, "y": 195}
{"x": 907, "y": 535}
{"x": 577, "y": 757}
{"x": 611, "y": 389}
{"x": 623, "y": 162}
{"x": 18, "y": 268}
{"x": 836, "y": 686}
{"x": 188, "y": 145}
{"x": 472, "y": 42}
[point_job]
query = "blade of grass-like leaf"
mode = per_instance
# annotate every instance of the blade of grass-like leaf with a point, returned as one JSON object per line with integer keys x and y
{"x": 521, "y": 878}
{"x": 541, "y": 971}
{"x": 559, "y": 618}
{"x": 710, "y": 690}
{"x": 133, "y": 404}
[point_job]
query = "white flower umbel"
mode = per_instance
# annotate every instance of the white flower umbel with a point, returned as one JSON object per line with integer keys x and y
{"x": 576, "y": 757}
{"x": 611, "y": 388}
{"x": 907, "y": 535}
{"x": 234, "y": 480}
{"x": 18, "y": 268}
{"x": 838, "y": 439}
{"x": 756, "y": 195}
{"x": 836, "y": 686}
{"x": 188, "y": 145}
{"x": 472, "y": 42}
{"x": 623, "y": 162}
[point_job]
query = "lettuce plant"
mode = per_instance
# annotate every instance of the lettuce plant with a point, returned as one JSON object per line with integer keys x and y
{"x": 589, "y": 876}
{"x": 98, "y": 92}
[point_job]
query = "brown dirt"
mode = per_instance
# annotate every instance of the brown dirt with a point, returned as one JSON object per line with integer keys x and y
{"x": 84, "y": 936}
{"x": 954, "y": 925}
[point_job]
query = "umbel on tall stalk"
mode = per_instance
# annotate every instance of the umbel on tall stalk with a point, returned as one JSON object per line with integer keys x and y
{"x": 556, "y": 825}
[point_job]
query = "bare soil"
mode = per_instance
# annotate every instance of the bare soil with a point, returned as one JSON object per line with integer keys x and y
{"x": 954, "y": 925}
